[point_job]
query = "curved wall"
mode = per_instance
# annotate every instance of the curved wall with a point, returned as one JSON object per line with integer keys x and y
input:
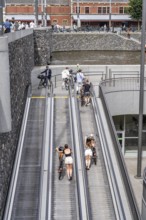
{"x": 124, "y": 102}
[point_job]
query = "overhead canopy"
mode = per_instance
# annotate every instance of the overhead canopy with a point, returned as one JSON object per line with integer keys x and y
{"x": 24, "y": 17}
{"x": 102, "y": 17}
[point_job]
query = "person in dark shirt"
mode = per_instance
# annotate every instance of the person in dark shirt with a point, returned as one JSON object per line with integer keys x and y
{"x": 86, "y": 92}
{"x": 47, "y": 73}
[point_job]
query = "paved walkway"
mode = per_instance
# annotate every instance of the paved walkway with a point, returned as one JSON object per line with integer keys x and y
{"x": 137, "y": 184}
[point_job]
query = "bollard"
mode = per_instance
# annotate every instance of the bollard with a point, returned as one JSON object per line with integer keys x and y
{"x": 143, "y": 212}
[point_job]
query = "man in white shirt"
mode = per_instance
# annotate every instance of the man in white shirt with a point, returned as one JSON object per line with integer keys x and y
{"x": 80, "y": 76}
{"x": 65, "y": 76}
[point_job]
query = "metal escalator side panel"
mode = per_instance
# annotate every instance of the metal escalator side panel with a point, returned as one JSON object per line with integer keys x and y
{"x": 11, "y": 194}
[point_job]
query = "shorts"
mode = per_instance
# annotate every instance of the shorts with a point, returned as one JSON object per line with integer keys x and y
{"x": 68, "y": 160}
{"x": 88, "y": 152}
{"x": 87, "y": 93}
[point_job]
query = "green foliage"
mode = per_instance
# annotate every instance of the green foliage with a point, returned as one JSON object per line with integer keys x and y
{"x": 135, "y": 9}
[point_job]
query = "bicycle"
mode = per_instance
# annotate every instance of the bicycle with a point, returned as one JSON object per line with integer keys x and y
{"x": 61, "y": 162}
{"x": 94, "y": 157}
{"x": 44, "y": 81}
{"x": 66, "y": 83}
{"x": 60, "y": 169}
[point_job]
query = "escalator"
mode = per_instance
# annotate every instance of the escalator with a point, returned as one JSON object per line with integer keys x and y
{"x": 64, "y": 191}
{"x": 99, "y": 190}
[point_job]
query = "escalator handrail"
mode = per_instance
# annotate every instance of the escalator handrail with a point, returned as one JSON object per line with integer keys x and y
{"x": 45, "y": 166}
{"x": 14, "y": 178}
{"x": 81, "y": 209}
{"x": 125, "y": 175}
{"x": 81, "y": 146}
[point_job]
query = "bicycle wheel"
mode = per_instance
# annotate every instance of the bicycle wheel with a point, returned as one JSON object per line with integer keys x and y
{"x": 60, "y": 177}
{"x": 95, "y": 159}
{"x": 60, "y": 171}
{"x": 94, "y": 156}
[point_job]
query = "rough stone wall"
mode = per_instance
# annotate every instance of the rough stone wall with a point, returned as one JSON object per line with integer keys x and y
{"x": 42, "y": 46}
{"x": 21, "y": 59}
{"x": 46, "y": 42}
{"x": 92, "y": 41}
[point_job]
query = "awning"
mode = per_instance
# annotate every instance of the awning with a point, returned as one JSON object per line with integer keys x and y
{"x": 24, "y": 17}
{"x": 102, "y": 17}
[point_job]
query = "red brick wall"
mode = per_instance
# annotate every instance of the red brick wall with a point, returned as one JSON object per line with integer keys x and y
{"x": 61, "y": 13}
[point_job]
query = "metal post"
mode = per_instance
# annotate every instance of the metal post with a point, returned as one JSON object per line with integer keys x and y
{"x": 1, "y": 17}
{"x": 78, "y": 17}
{"x": 71, "y": 12}
{"x": 36, "y": 12}
{"x": 110, "y": 13}
{"x": 45, "y": 13}
{"x": 141, "y": 93}
{"x": 42, "y": 11}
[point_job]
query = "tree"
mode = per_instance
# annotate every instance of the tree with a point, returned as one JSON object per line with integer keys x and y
{"x": 135, "y": 10}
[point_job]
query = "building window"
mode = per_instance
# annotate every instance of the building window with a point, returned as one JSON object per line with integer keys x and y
{"x": 77, "y": 10}
{"x": 103, "y": 10}
{"x": 121, "y": 10}
{"x": 99, "y": 10}
{"x": 126, "y": 9}
{"x": 86, "y": 10}
{"x": 55, "y": 22}
{"x": 108, "y": 10}
{"x": 65, "y": 22}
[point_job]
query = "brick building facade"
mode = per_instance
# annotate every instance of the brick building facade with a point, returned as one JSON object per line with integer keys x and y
{"x": 67, "y": 12}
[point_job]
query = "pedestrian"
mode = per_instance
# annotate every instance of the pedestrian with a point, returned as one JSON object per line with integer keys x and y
{"x": 7, "y": 26}
{"x": 47, "y": 75}
{"x": 65, "y": 76}
{"x": 80, "y": 76}
{"x": 68, "y": 161}
{"x": 128, "y": 33}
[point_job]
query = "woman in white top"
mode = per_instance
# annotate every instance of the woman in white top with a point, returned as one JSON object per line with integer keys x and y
{"x": 88, "y": 154}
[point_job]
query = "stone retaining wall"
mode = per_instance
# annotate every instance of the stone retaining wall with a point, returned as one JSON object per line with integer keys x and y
{"x": 21, "y": 60}
{"x": 42, "y": 46}
{"x": 47, "y": 42}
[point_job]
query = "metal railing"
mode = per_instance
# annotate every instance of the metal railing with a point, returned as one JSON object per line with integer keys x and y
{"x": 120, "y": 159}
{"x": 45, "y": 196}
{"x": 121, "y": 84}
{"x": 13, "y": 184}
{"x": 84, "y": 209}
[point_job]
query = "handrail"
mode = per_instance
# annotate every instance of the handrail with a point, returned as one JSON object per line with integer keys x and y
{"x": 117, "y": 203}
{"x": 125, "y": 176}
{"x": 86, "y": 73}
{"x": 74, "y": 151}
{"x": 84, "y": 212}
{"x": 50, "y": 165}
{"x": 12, "y": 189}
{"x": 44, "y": 198}
{"x": 81, "y": 148}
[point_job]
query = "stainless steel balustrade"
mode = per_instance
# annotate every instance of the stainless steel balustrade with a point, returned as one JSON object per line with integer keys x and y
{"x": 12, "y": 189}
{"x": 45, "y": 200}
{"x": 84, "y": 212}
{"x": 122, "y": 84}
{"x": 125, "y": 176}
